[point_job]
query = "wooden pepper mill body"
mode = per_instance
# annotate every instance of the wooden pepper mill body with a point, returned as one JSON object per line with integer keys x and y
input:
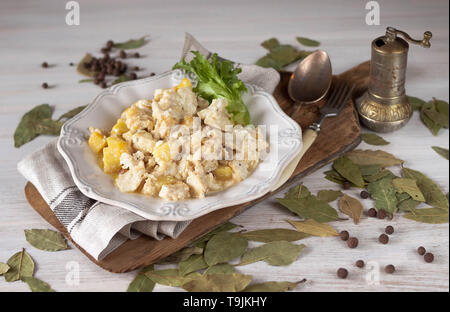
{"x": 385, "y": 106}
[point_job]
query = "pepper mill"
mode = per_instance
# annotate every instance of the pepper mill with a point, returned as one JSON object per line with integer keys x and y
{"x": 385, "y": 106}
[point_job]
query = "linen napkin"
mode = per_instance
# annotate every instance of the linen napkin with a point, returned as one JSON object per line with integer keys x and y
{"x": 97, "y": 227}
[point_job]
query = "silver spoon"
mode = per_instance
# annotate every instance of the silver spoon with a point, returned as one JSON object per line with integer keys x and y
{"x": 309, "y": 83}
{"x": 311, "y": 80}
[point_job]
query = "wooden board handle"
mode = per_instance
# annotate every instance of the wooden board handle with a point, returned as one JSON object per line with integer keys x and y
{"x": 359, "y": 77}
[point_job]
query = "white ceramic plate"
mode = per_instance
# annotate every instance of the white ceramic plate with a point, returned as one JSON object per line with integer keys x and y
{"x": 103, "y": 112}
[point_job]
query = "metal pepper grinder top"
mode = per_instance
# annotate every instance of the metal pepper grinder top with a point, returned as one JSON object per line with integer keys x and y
{"x": 385, "y": 106}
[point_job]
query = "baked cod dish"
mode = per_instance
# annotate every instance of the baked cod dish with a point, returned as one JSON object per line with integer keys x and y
{"x": 178, "y": 145}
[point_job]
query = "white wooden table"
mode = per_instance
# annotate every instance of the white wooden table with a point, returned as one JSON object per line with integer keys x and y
{"x": 32, "y": 32}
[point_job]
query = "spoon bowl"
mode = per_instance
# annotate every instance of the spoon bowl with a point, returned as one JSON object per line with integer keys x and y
{"x": 311, "y": 80}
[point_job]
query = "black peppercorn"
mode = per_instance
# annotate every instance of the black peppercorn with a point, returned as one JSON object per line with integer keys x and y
{"x": 372, "y": 212}
{"x": 421, "y": 250}
{"x": 344, "y": 235}
{"x": 347, "y": 185}
{"x": 389, "y": 230}
{"x": 384, "y": 239}
{"x": 342, "y": 273}
{"x": 364, "y": 194}
{"x": 389, "y": 269}
{"x": 360, "y": 263}
{"x": 429, "y": 257}
{"x": 352, "y": 242}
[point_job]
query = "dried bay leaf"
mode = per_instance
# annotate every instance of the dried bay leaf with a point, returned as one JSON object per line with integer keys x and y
{"x": 442, "y": 108}
{"x": 409, "y": 186}
{"x": 224, "y": 268}
{"x": 314, "y": 228}
{"x": 373, "y": 139}
{"x": 334, "y": 179}
{"x": 83, "y": 70}
{"x": 271, "y": 43}
{"x": 182, "y": 255}
{"x": 224, "y": 247}
{"x": 408, "y": 205}
{"x": 26, "y": 130}
{"x": 272, "y": 286}
{"x": 368, "y": 170}
{"x": 428, "y": 215}
{"x": 218, "y": 282}
{"x": 329, "y": 195}
{"x": 227, "y": 226}
{"x": 310, "y": 208}
{"x": 131, "y": 44}
{"x": 437, "y": 117}
{"x": 308, "y": 42}
{"x": 384, "y": 194}
{"x": 47, "y": 240}
{"x": 370, "y": 157}
{"x": 48, "y": 127}
{"x": 431, "y": 191}
{"x": 383, "y": 174}
{"x": 351, "y": 207}
{"x": 72, "y": 113}
{"x": 36, "y": 285}
{"x": 297, "y": 192}
{"x": 170, "y": 277}
{"x": 272, "y": 235}
{"x": 429, "y": 122}
{"x": 192, "y": 264}
{"x": 3, "y": 268}
{"x": 280, "y": 253}
{"x": 333, "y": 176}
{"x": 267, "y": 62}
{"x": 141, "y": 283}
{"x": 416, "y": 102}
{"x": 21, "y": 265}
{"x": 349, "y": 170}
{"x": 441, "y": 151}
{"x": 285, "y": 54}
{"x": 280, "y": 55}
{"x": 402, "y": 196}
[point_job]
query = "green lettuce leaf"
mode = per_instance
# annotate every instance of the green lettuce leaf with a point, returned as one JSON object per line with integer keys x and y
{"x": 218, "y": 79}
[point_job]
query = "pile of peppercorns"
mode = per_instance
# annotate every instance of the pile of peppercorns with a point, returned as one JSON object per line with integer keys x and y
{"x": 111, "y": 65}
{"x": 352, "y": 242}
{"x": 107, "y": 65}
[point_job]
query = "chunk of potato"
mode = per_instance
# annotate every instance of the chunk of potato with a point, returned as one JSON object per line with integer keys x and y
{"x": 223, "y": 173}
{"x": 162, "y": 152}
{"x": 119, "y": 128}
{"x": 97, "y": 142}
{"x": 112, "y": 153}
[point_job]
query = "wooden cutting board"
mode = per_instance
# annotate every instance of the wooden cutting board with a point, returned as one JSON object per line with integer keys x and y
{"x": 339, "y": 135}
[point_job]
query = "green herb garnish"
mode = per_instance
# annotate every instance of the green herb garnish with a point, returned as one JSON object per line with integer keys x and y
{"x": 218, "y": 79}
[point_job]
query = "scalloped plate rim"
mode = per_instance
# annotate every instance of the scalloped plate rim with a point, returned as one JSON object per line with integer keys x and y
{"x": 173, "y": 209}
